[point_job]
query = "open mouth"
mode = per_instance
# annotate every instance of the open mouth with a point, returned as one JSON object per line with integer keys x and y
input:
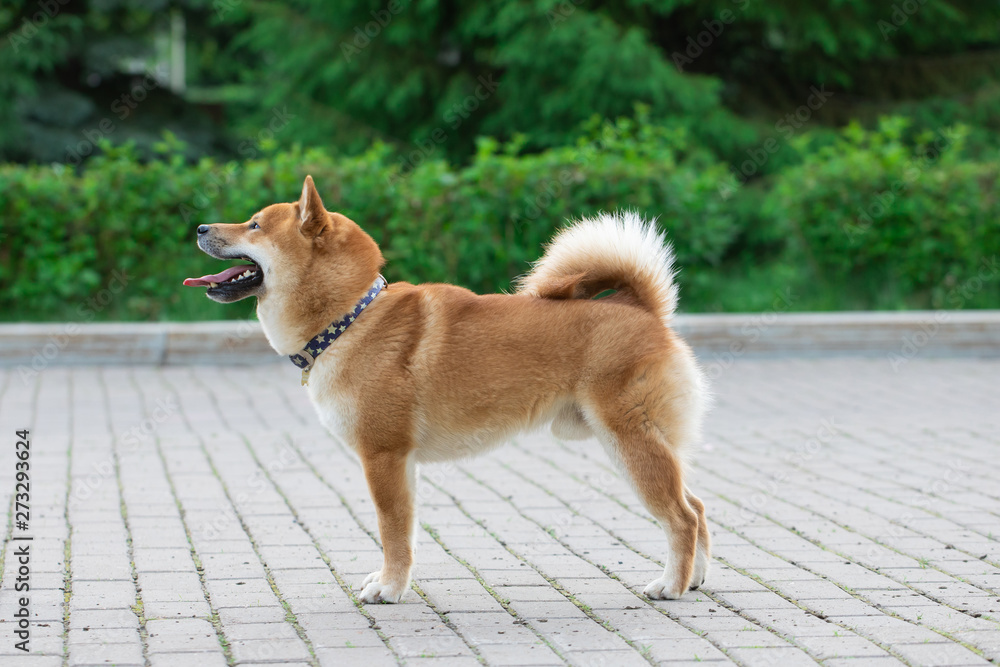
{"x": 234, "y": 282}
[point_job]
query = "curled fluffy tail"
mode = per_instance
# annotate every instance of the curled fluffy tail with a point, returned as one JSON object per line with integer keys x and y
{"x": 618, "y": 251}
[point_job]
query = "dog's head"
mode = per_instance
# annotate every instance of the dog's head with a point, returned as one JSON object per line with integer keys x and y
{"x": 292, "y": 250}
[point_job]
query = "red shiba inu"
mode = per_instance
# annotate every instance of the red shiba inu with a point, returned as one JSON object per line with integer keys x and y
{"x": 417, "y": 373}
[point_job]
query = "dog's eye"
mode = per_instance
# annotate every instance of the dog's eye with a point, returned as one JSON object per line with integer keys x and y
{"x": 254, "y": 225}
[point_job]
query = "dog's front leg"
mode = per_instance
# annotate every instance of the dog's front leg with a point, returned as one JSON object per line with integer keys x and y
{"x": 391, "y": 479}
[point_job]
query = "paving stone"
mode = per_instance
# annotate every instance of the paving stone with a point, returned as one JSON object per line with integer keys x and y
{"x": 102, "y": 595}
{"x": 245, "y": 631}
{"x": 730, "y": 639}
{"x": 268, "y": 650}
{"x": 172, "y": 610}
{"x": 103, "y": 635}
{"x": 338, "y": 620}
{"x": 519, "y": 654}
{"x": 846, "y": 646}
{"x": 935, "y": 655}
{"x": 600, "y": 658}
{"x": 431, "y": 646}
{"x": 94, "y": 619}
{"x": 187, "y": 659}
{"x": 99, "y": 568}
{"x": 337, "y": 637}
{"x": 109, "y": 654}
{"x": 789, "y": 656}
{"x": 863, "y": 662}
{"x": 172, "y": 559}
{"x": 273, "y": 613}
{"x": 367, "y": 656}
{"x": 693, "y": 649}
{"x": 40, "y": 661}
{"x": 191, "y": 634}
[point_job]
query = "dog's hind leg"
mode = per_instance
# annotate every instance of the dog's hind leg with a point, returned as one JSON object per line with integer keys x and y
{"x": 703, "y": 555}
{"x": 657, "y": 474}
{"x": 391, "y": 479}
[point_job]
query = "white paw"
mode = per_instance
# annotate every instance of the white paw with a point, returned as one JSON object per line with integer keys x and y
{"x": 701, "y": 563}
{"x": 663, "y": 589}
{"x": 373, "y": 590}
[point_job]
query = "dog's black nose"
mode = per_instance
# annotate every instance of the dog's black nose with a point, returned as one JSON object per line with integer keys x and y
{"x": 202, "y": 229}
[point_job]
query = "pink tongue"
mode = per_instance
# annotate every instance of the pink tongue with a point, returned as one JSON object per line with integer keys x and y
{"x": 219, "y": 277}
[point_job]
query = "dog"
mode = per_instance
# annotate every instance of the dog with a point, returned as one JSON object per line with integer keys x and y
{"x": 409, "y": 374}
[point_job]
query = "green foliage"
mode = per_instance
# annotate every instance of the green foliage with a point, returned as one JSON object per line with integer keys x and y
{"x": 833, "y": 41}
{"x": 497, "y": 212}
{"x": 65, "y": 68}
{"x": 66, "y": 234}
{"x": 350, "y": 72}
{"x": 871, "y": 210}
{"x": 862, "y": 221}
{"x": 398, "y": 70}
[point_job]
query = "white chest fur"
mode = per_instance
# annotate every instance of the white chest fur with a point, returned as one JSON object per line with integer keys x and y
{"x": 335, "y": 408}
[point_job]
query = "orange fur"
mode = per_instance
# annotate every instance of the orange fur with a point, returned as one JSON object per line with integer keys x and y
{"x": 433, "y": 372}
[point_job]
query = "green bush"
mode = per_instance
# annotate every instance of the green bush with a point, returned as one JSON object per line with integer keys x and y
{"x": 911, "y": 226}
{"x": 829, "y": 229}
{"x": 66, "y": 233}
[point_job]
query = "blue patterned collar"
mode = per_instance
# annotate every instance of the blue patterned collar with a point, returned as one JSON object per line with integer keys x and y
{"x": 307, "y": 356}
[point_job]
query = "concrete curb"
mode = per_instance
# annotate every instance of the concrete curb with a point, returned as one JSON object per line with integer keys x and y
{"x": 160, "y": 343}
{"x": 930, "y": 333}
{"x": 714, "y": 337}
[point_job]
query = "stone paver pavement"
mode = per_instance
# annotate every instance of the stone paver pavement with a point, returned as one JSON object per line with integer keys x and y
{"x": 201, "y": 516}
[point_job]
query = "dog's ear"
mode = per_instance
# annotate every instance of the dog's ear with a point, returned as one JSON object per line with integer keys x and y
{"x": 313, "y": 218}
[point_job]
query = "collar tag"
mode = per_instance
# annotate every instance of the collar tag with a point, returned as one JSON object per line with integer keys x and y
{"x": 305, "y": 377}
